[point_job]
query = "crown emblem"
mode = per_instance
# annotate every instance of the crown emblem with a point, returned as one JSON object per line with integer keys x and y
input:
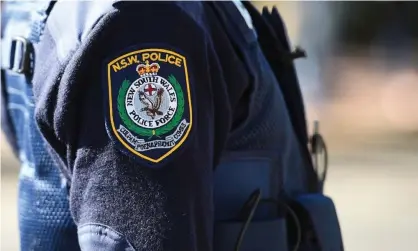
{"x": 147, "y": 69}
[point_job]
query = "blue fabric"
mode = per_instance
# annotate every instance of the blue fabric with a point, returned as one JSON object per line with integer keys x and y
{"x": 260, "y": 236}
{"x": 45, "y": 222}
{"x": 237, "y": 177}
{"x": 238, "y": 108}
{"x": 321, "y": 212}
{"x": 267, "y": 128}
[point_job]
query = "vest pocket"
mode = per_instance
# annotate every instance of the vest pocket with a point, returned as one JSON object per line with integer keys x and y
{"x": 260, "y": 235}
{"x": 97, "y": 237}
{"x": 237, "y": 176}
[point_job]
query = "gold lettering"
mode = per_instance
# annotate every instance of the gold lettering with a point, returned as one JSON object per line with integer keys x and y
{"x": 133, "y": 59}
{"x": 154, "y": 56}
{"x": 116, "y": 67}
{"x": 178, "y": 62}
{"x": 123, "y": 63}
{"x": 169, "y": 59}
{"x": 145, "y": 56}
{"x": 160, "y": 59}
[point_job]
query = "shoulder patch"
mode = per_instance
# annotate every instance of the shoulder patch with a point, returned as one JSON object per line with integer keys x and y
{"x": 149, "y": 102}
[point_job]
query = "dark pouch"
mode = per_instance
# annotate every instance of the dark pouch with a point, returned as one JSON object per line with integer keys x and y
{"x": 269, "y": 235}
{"x": 317, "y": 224}
{"x": 253, "y": 223}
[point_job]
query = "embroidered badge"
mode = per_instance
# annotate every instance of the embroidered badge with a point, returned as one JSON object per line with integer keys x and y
{"x": 150, "y": 109}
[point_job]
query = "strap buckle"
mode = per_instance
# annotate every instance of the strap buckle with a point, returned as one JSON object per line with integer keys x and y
{"x": 20, "y": 52}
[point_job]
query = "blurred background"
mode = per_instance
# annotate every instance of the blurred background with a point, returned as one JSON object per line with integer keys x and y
{"x": 361, "y": 81}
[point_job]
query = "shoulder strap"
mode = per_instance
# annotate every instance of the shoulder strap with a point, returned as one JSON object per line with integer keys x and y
{"x": 17, "y": 52}
{"x": 274, "y": 43}
{"x": 17, "y": 56}
{"x": 39, "y": 19}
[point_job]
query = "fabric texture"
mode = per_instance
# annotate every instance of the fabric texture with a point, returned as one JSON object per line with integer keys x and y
{"x": 237, "y": 106}
{"x": 45, "y": 221}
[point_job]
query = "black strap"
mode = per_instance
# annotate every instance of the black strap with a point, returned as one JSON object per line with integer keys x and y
{"x": 39, "y": 19}
{"x": 21, "y": 57}
{"x": 247, "y": 214}
{"x": 20, "y": 60}
{"x": 276, "y": 49}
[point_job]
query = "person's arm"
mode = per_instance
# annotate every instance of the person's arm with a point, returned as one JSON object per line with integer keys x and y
{"x": 140, "y": 153}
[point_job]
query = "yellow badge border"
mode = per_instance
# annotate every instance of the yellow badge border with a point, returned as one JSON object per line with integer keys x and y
{"x": 111, "y": 103}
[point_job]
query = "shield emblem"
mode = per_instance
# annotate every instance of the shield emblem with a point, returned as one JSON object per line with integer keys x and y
{"x": 149, "y": 102}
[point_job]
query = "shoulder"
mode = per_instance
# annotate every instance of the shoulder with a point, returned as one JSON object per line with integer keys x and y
{"x": 72, "y": 22}
{"x": 193, "y": 10}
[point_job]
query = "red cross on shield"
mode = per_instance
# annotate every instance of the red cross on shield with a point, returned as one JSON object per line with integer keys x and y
{"x": 150, "y": 89}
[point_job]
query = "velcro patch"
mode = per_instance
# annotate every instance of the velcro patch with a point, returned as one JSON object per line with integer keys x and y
{"x": 149, "y": 102}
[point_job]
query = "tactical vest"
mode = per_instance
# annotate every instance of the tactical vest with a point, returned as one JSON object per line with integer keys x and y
{"x": 267, "y": 195}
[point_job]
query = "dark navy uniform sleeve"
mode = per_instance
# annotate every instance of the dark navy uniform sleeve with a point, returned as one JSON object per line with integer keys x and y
{"x": 137, "y": 117}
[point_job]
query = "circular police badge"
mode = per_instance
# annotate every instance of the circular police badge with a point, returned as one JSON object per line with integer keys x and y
{"x": 151, "y": 102}
{"x": 150, "y": 116}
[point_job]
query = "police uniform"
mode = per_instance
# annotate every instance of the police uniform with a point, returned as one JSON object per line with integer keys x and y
{"x": 166, "y": 122}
